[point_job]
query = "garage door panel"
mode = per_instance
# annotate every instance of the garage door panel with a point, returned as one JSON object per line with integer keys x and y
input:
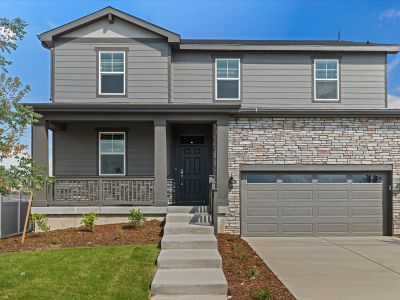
{"x": 333, "y": 211}
{"x": 305, "y": 209}
{"x": 297, "y": 212}
{"x": 329, "y": 195}
{"x": 296, "y": 195}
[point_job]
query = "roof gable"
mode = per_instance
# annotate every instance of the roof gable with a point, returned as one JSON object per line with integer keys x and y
{"x": 110, "y": 13}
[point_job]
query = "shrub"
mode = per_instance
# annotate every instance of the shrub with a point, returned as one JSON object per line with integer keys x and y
{"x": 244, "y": 257}
{"x": 41, "y": 221}
{"x": 119, "y": 235}
{"x": 89, "y": 219}
{"x": 235, "y": 248}
{"x": 253, "y": 273}
{"x": 231, "y": 238}
{"x": 262, "y": 295}
{"x": 136, "y": 218}
{"x": 55, "y": 241}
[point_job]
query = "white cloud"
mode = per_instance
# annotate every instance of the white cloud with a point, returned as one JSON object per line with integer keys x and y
{"x": 395, "y": 62}
{"x": 393, "y": 101}
{"x": 390, "y": 14}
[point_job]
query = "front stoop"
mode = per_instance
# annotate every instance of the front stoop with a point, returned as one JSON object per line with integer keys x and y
{"x": 189, "y": 265}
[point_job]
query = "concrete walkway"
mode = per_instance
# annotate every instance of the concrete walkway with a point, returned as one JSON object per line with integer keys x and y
{"x": 334, "y": 268}
{"x": 189, "y": 264}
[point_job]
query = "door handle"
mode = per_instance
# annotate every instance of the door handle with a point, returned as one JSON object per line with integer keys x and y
{"x": 181, "y": 177}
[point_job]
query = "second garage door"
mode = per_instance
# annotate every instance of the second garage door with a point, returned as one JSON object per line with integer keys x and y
{"x": 312, "y": 204}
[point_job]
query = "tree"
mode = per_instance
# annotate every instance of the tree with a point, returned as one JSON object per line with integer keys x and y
{"x": 15, "y": 117}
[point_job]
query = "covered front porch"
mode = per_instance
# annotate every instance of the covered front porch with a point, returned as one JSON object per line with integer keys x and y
{"x": 175, "y": 155}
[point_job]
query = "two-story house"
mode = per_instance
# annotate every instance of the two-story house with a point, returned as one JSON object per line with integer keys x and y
{"x": 277, "y": 137}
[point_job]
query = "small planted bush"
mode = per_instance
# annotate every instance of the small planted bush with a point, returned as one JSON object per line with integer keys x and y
{"x": 41, "y": 221}
{"x": 55, "y": 241}
{"x": 262, "y": 295}
{"x": 136, "y": 218}
{"x": 119, "y": 235}
{"x": 253, "y": 273}
{"x": 244, "y": 257}
{"x": 89, "y": 220}
{"x": 231, "y": 238}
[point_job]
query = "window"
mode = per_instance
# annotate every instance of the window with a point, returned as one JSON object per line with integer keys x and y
{"x": 297, "y": 178}
{"x": 367, "y": 178}
{"x": 326, "y": 79}
{"x": 112, "y": 153}
{"x": 333, "y": 178}
{"x": 227, "y": 79}
{"x": 112, "y": 73}
{"x": 261, "y": 178}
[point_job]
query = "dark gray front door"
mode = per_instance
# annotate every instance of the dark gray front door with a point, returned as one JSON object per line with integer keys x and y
{"x": 193, "y": 171}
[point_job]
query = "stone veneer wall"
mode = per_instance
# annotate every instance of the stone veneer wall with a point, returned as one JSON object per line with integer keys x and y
{"x": 312, "y": 140}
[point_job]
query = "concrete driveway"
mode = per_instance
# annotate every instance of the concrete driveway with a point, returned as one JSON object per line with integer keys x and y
{"x": 335, "y": 267}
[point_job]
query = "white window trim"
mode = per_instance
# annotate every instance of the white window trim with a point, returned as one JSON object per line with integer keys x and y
{"x": 326, "y": 79}
{"x": 105, "y": 72}
{"x": 111, "y": 153}
{"x": 216, "y": 78}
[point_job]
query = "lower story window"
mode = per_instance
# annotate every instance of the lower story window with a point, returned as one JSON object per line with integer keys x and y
{"x": 112, "y": 153}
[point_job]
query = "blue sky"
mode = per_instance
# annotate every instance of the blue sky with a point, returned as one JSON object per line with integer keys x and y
{"x": 374, "y": 20}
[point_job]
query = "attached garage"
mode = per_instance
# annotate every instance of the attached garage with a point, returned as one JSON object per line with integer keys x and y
{"x": 314, "y": 201}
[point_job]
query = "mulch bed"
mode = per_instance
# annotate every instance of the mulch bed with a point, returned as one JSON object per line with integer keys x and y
{"x": 103, "y": 235}
{"x": 238, "y": 260}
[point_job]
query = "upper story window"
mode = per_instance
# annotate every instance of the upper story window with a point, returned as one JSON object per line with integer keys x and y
{"x": 326, "y": 79}
{"x": 112, "y": 73}
{"x": 112, "y": 153}
{"x": 227, "y": 79}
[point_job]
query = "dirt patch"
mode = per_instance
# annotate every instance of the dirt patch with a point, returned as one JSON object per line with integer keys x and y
{"x": 104, "y": 235}
{"x": 246, "y": 272}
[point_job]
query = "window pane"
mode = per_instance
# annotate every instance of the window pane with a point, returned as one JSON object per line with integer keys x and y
{"x": 233, "y": 73}
{"x": 261, "y": 178}
{"x": 320, "y": 74}
{"x": 118, "y": 67}
{"x": 233, "y": 64}
{"x": 297, "y": 178}
{"x": 112, "y": 164}
{"x": 118, "y": 146}
{"x": 106, "y": 57}
{"x": 331, "y": 64}
{"x": 112, "y": 83}
{"x": 320, "y": 64}
{"x": 106, "y": 67}
{"x": 331, "y": 74}
{"x": 332, "y": 178}
{"x": 222, "y": 64}
{"x": 367, "y": 178}
{"x": 118, "y": 57}
{"x": 228, "y": 89}
{"x": 223, "y": 73}
{"x": 326, "y": 90}
{"x": 106, "y": 145}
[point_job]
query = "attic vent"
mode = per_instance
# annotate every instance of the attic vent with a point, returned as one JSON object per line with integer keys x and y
{"x": 111, "y": 18}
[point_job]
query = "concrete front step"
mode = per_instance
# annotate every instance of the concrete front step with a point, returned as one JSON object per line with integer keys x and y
{"x": 190, "y": 297}
{"x": 177, "y": 217}
{"x": 189, "y": 282}
{"x": 189, "y": 241}
{"x": 201, "y": 219}
{"x": 188, "y": 209}
{"x": 185, "y": 228}
{"x": 185, "y": 259}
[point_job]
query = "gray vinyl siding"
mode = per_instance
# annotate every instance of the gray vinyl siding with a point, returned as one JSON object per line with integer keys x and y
{"x": 75, "y": 72}
{"x": 281, "y": 79}
{"x": 76, "y": 148}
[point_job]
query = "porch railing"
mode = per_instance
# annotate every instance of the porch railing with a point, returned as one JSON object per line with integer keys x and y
{"x": 101, "y": 191}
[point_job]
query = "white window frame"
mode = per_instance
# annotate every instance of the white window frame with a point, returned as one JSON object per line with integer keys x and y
{"x": 112, "y": 153}
{"x": 216, "y": 78}
{"x": 108, "y": 72}
{"x": 326, "y": 79}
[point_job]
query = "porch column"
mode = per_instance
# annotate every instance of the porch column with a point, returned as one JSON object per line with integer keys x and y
{"x": 40, "y": 155}
{"x": 221, "y": 196}
{"x": 160, "y": 163}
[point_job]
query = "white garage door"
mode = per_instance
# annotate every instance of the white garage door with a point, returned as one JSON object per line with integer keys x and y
{"x": 312, "y": 204}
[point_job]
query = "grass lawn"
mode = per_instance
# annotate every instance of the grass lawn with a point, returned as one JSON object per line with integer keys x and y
{"x": 123, "y": 272}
